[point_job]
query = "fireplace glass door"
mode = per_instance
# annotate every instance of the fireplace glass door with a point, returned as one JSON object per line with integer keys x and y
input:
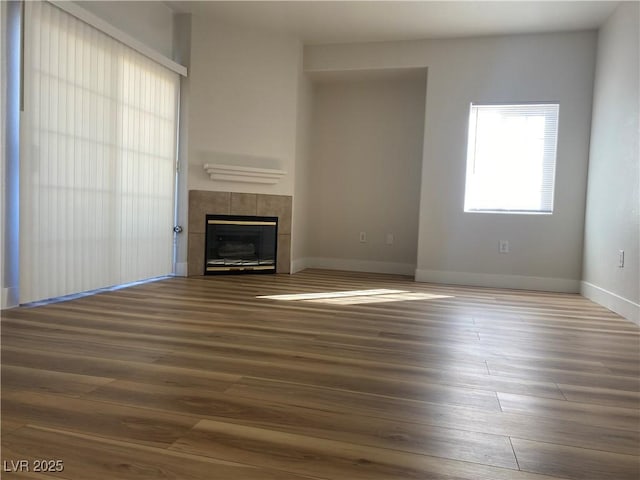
{"x": 238, "y": 243}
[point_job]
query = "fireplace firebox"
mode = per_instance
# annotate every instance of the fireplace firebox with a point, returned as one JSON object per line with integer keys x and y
{"x": 240, "y": 244}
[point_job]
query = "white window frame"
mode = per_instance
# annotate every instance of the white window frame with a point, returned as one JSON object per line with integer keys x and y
{"x": 494, "y": 184}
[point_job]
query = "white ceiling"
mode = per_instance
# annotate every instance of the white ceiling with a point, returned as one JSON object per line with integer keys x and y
{"x": 320, "y": 22}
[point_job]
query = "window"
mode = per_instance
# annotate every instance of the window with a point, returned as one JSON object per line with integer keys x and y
{"x": 511, "y": 158}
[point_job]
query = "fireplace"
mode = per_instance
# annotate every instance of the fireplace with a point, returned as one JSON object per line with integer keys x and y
{"x": 205, "y": 202}
{"x": 240, "y": 244}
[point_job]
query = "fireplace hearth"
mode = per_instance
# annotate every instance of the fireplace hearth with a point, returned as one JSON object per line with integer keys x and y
{"x": 240, "y": 244}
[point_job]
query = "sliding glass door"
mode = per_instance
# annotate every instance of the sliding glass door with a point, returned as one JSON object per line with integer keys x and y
{"x": 97, "y": 175}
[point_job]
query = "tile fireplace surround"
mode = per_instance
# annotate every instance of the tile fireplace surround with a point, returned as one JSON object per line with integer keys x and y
{"x": 203, "y": 202}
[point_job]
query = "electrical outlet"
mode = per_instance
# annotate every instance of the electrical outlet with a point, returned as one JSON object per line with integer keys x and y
{"x": 620, "y": 258}
{"x": 363, "y": 237}
{"x": 389, "y": 239}
{"x": 503, "y": 246}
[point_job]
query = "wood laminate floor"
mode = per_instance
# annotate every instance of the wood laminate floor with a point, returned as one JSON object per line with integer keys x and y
{"x": 202, "y": 378}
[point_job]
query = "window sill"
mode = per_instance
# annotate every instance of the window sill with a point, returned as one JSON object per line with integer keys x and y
{"x": 509, "y": 212}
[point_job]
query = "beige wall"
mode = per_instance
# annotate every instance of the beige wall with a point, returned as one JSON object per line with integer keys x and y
{"x": 243, "y": 104}
{"x": 366, "y": 160}
{"x": 458, "y": 247}
{"x": 613, "y": 202}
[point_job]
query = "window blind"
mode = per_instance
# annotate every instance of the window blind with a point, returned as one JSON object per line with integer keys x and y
{"x": 511, "y": 158}
{"x": 98, "y": 169}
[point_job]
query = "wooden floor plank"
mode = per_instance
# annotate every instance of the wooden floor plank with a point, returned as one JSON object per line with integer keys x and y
{"x": 574, "y": 463}
{"x": 331, "y": 459}
{"x": 86, "y": 416}
{"x": 600, "y": 396}
{"x": 451, "y": 443}
{"x": 87, "y": 457}
{"x": 205, "y": 378}
{"x": 48, "y": 381}
{"x": 9, "y": 426}
{"x": 587, "y": 379}
{"x": 305, "y": 455}
{"x": 339, "y": 378}
{"x": 533, "y": 427}
{"x": 60, "y": 361}
{"x": 598, "y": 415}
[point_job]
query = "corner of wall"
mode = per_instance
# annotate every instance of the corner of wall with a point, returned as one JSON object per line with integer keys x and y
{"x": 299, "y": 265}
{"x": 489, "y": 280}
{"x": 182, "y": 54}
{"x": 10, "y": 31}
{"x": 354, "y": 265}
{"x": 300, "y": 227}
{"x": 617, "y": 304}
{"x": 612, "y": 218}
{"x": 3, "y": 82}
{"x": 180, "y": 269}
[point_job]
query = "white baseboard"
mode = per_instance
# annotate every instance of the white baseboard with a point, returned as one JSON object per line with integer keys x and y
{"x": 299, "y": 264}
{"x": 9, "y": 298}
{"x": 518, "y": 282}
{"x": 350, "y": 265}
{"x": 614, "y": 302}
{"x": 181, "y": 269}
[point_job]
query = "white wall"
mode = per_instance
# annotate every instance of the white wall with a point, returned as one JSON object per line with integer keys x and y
{"x": 458, "y": 247}
{"x": 302, "y": 184}
{"x": 9, "y": 151}
{"x": 243, "y": 109}
{"x": 613, "y": 202}
{"x": 3, "y": 114}
{"x": 182, "y": 55}
{"x": 366, "y": 162}
{"x": 149, "y": 22}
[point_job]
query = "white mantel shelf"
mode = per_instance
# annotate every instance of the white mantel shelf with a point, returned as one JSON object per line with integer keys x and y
{"x": 233, "y": 173}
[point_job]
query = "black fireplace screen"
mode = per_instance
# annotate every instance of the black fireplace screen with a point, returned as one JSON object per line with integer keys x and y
{"x": 239, "y": 243}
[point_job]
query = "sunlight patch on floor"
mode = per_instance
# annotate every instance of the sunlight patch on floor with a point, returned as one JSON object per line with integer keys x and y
{"x": 355, "y": 297}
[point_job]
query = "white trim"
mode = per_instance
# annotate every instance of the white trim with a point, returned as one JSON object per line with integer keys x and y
{"x": 299, "y": 265}
{"x": 350, "y": 265}
{"x": 614, "y": 302}
{"x": 88, "y": 293}
{"x": 180, "y": 269}
{"x": 105, "y": 27}
{"x": 9, "y": 298}
{"x": 233, "y": 173}
{"x": 518, "y": 282}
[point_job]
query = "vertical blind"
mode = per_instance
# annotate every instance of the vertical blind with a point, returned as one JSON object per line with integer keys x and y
{"x": 98, "y": 169}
